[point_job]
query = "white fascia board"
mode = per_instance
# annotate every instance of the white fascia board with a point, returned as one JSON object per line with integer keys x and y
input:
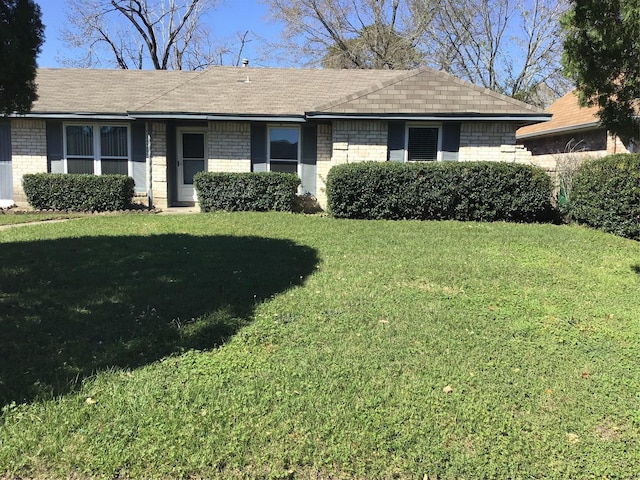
{"x": 75, "y": 116}
{"x": 274, "y": 119}
{"x": 434, "y": 118}
{"x": 234, "y": 118}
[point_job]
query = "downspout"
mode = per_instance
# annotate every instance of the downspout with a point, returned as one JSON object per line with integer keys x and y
{"x": 147, "y": 129}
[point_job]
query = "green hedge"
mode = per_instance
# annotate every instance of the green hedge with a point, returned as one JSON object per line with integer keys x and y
{"x": 606, "y": 195}
{"x": 78, "y": 192}
{"x": 246, "y": 191}
{"x": 479, "y": 191}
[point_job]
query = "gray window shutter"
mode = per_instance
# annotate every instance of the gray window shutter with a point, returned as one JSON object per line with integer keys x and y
{"x": 309, "y": 157}
{"x": 395, "y": 142}
{"x": 139, "y": 156}
{"x": 6, "y": 180}
{"x": 55, "y": 149}
{"x": 450, "y": 141}
{"x": 258, "y": 147}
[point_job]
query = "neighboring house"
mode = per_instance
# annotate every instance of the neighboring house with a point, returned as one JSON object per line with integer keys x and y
{"x": 573, "y": 130}
{"x": 160, "y": 127}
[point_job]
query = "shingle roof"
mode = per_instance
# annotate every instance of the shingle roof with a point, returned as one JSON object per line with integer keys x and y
{"x": 65, "y": 90}
{"x": 567, "y": 115}
{"x": 431, "y": 91}
{"x": 267, "y": 91}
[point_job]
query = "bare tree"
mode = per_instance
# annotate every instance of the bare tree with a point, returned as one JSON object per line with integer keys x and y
{"x": 350, "y": 33}
{"x": 510, "y": 46}
{"x": 161, "y": 34}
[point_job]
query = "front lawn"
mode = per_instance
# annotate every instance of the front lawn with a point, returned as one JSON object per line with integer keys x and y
{"x": 284, "y": 346}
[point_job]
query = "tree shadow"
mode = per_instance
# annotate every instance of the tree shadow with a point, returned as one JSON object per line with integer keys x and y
{"x": 636, "y": 268}
{"x": 75, "y": 306}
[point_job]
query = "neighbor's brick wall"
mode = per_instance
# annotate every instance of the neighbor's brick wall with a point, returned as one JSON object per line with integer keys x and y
{"x": 324, "y": 163}
{"x": 589, "y": 140}
{"x": 491, "y": 141}
{"x": 615, "y": 145}
{"x": 29, "y": 152}
{"x": 229, "y": 147}
{"x": 359, "y": 141}
{"x": 159, "y": 184}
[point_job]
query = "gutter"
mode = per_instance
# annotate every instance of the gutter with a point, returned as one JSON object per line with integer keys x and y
{"x": 218, "y": 117}
{"x": 430, "y": 117}
{"x": 75, "y": 116}
{"x": 147, "y": 131}
{"x": 537, "y": 118}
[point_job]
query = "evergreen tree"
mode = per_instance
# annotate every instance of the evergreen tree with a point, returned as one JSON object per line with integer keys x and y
{"x": 21, "y": 37}
{"x": 601, "y": 52}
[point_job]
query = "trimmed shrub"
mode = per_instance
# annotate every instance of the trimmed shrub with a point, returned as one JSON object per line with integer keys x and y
{"x": 246, "y": 191}
{"x": 478, "y": 191}
{"x": 78, "y": 192}
{"x": 606, "y": 195}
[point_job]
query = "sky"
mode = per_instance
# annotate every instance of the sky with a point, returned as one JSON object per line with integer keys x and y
{"x": 226, "y": 20}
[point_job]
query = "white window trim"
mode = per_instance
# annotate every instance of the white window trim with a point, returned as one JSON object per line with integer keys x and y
{"x": 299, "y": 153}
{"x": 422, "y": 125}
{"x": 97, "y": 151}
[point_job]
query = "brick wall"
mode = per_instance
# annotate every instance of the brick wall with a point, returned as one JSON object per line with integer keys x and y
{"x": 615, "y": 145}
{"x": 159, "y": 184}
{"x": 359, "y": 141}
{"x": 229, "y": 147}
{"x": 324, "y": 164}
{"x": 589, "y": 140}
{"x": 29, "y": 152}
{"x": 491, "y": 141}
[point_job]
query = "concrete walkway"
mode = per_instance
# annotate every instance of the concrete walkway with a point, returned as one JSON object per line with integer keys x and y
{"x": 39, "y": 222}
{"x": 178, "y": 210}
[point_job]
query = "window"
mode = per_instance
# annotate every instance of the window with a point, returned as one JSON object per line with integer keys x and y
{"x": 284, "y": 149}
{"x": 97, "y": 149}
{"x": 423, "y": 143}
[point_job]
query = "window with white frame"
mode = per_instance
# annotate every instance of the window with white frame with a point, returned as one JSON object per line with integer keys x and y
{"x": 97, "y": 149}
{"x": 284, "y": 149}
{"x": 423, "y": 143}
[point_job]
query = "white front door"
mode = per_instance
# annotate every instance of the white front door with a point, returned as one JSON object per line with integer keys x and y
{"x": 191, "y": 160}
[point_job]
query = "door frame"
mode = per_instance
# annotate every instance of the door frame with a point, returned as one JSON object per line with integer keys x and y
{"x": 186, "y": 193}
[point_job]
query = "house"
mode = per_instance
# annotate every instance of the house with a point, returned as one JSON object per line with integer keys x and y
{"x": 160, "y": 127}
{"x": 572, "y": 131}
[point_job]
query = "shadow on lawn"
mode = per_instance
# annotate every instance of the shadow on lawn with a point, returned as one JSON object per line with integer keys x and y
{"x": 75, "y": 306}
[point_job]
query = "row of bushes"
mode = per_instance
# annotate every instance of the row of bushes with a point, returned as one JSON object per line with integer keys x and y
{"x": 78, "y": 192}
{"x": 479, "y": 191}
{"x": 605, "y": 192}
{"x": 461, "y": 191}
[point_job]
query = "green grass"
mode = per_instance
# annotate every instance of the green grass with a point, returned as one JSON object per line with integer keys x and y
{"x": 284, "y": 346}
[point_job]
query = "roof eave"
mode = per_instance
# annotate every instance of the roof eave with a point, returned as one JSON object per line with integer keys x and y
{"x": 162, "y": 116}
{"x": 249, "y": 117}
{"x": 73, "y": 115}
{"x": 560, "y": 130}
{"x": 525, "y": 118}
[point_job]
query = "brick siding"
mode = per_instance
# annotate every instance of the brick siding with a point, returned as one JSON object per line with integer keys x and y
{"x": 229, "y": 147}
{"x": 491, "y": 141}
{"x": 323, "y": 163}
{"x": 359, "y": 141}
{"x": 159, "y": 185}
{"x": 29, "y": 153}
